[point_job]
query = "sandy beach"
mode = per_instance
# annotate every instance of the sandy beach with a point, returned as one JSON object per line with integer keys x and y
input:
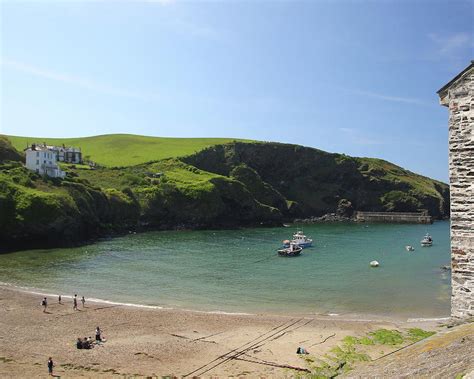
{"x": 148, "y": 342}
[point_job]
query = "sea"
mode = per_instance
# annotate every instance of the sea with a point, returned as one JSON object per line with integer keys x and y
{"x": 239, "y": 271}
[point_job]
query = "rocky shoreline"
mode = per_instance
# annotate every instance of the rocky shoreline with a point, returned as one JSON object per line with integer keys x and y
{"x": 328, "y": 217}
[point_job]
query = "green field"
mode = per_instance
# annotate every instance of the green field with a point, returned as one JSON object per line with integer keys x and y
{"x": 126, "y": 149}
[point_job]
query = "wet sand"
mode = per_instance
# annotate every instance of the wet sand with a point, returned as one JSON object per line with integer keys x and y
{"x": 150, "y": 342}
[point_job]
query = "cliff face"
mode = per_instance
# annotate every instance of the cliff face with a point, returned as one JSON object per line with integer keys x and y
{"x": 37, "y": 211}
{"x": 318, "y": 181}
{"x": 222, "y": 186}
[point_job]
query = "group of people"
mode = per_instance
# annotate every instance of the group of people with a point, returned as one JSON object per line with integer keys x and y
{"x": 82, "y": 343}
{"x": 44, "y": 302}
{"x": 87, "y": 342}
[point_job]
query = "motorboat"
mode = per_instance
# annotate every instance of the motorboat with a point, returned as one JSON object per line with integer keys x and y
{"x": 409, "y": 248}
{"x": 291, "y": 251}
{"x": 374, "y": 264}
{"x": 299, "y": 239}
{"x": 427, "y": 241}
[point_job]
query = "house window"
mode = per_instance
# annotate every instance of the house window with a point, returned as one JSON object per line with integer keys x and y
{"x": 37, "y": 154}
{"x": 37, "y": 162}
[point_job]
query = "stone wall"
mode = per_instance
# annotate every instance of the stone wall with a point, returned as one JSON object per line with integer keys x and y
{"x": 398, "y": 217}
{"x": 458, "y": 95}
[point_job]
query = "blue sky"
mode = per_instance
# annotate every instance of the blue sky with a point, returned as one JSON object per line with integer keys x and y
{"x": 354, "y": 77}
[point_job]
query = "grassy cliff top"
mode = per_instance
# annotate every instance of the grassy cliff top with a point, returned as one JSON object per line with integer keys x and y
{"x": 126, "y": 149}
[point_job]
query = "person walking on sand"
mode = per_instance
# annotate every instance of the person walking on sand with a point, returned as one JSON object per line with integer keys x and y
{"x": 44, "y": 303}
{"x": 97, "y": 334}
{"x": 74, "y": 306}
{"x": 83, "y": 301}
{"x": 50, "y": 366}
{"x": 59, "y": 299}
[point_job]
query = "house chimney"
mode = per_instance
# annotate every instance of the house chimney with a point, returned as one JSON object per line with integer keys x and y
{"x": 33, "y": 146}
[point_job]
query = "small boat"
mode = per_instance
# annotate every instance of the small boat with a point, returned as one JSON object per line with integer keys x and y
{"x": 409, "y": 248}
{"x": 292, "y": 251}
{"x": 427, "y": 241}
{"x": 299, "y": 239}
{"x": 374, "y": 264}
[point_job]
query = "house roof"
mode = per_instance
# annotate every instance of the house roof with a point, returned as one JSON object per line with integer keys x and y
{"x": 39, "y": 148}
{"x": 447, "y": 85}
{"x": 42, "y": 147}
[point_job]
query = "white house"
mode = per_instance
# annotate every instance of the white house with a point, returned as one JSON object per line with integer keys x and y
{"x": 43, "y": 160}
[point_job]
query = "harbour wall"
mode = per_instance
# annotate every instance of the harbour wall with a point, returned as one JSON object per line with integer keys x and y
{"x": 395, "y": 217}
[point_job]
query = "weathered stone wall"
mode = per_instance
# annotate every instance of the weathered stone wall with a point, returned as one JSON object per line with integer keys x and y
{"x": 459, "y": 97}
{"x": 400, "y": 217}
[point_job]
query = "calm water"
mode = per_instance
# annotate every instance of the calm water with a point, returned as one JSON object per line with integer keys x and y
{"x": 239, "y": 271}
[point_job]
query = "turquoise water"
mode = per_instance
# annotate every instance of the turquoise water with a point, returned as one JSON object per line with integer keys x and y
{"x": 239, "y": 270}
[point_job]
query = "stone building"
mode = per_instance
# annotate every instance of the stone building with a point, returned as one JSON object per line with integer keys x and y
{"x": 458, "y": 96}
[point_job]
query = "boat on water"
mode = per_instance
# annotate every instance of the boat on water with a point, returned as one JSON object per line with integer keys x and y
{"x": 299, "y": 239}
{"x": 409, "y": 248}
{"x": 427, "y": 241}
{"x": 374, "y": 264}
{"x": 291, "y": 251}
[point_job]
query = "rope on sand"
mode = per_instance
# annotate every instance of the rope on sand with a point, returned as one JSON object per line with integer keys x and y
{"x": 256, "y": 341}
{"x": 324, "y": 340}
{"x": 273, "y": 364}
{"x": 386, "y": 355}
{"x": 256, "y": 344}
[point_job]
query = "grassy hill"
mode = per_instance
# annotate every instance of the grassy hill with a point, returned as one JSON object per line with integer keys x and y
{"x": 114, "y": 150}
{"x": 318, "y": 181}
{"x": 196, "y": 183}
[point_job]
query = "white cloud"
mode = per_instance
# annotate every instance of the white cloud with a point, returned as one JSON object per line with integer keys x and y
{"x": 450, "y": 44}
{"x": 357, "y": 138}
{"x": 75, "y": 80}
{"x": 395, "y": 99}
{"x": 347, "y": 130}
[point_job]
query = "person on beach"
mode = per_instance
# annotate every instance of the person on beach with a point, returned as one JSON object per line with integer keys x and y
{"x": 79, "y": 343}
{"x": 74, "y": 306}
{"x": 97, "y": 334}
{"x": 50, "y": 366}
{"x": 87, "y": 343}
{"x": 44, "y": 303}
{"x": 301, "y": 350}
{"x": 59, "y": 299}
{"x": 83, "y": 301}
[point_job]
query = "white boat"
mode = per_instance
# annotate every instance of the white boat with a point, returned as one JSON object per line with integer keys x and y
{"x": 427, "y": 241}
{"x": 409, "y": 248}
{"x": 299, "y": 239}
{"x": 374, "y": 264}
{"x": 292, "y": 251}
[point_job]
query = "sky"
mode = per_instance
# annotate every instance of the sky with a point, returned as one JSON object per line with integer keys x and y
{"x": 352, "y": 77}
